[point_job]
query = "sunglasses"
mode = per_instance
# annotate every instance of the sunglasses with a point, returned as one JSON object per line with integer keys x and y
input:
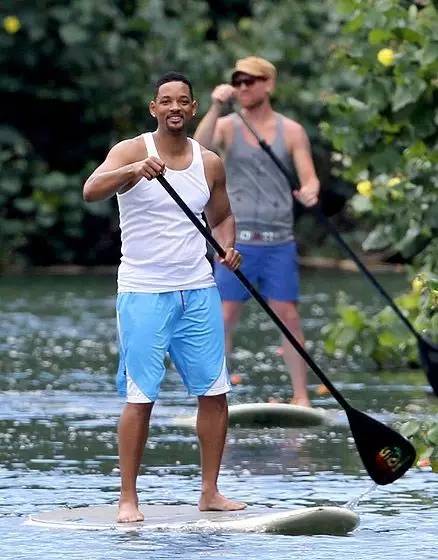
{"x": 248, "y": 81}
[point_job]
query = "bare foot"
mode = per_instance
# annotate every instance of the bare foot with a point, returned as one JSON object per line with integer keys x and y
{"x": 217, "y": 502}
{"x": 301, "y": 402}
{"x": 322, "y": 390}
{"x": 129, "y": 512}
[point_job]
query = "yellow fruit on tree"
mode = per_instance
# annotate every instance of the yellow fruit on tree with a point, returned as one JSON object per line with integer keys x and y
{"x": 417, "y": 285}
{"x": 11, "y": 24}
{"x": 394, "y": 181}
{"x": 386, "y": 57}
{"x": 365, "y": 188}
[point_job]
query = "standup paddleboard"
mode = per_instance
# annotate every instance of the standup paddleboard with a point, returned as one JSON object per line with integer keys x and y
{"x": 267, "y": 415}
{"x": 186, "y": 518}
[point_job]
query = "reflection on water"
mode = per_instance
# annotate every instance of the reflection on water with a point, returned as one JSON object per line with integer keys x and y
{"x": 58, "y": 412}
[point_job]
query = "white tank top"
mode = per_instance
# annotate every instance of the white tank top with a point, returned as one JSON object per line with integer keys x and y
{"x": 162, "y": 251}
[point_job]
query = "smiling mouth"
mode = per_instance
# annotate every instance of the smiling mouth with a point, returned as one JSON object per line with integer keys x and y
{"x": 175, "y": 118}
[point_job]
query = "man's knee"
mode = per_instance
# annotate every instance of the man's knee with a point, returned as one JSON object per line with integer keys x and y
{"x": 139, "y": 411}
{"x": 217, "y": 402}
{"x": 231, "y": 314}
{"x": 288, "y": 313}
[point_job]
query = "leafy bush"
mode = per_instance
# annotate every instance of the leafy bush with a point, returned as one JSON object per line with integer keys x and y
{"x": 35, "y": 203}
{"x": 381, "y": 336}
{"x": 383, "y": 122}
{"x": 77, "y": 77}
{"x": 383, "y": 125}
{"x": 424, "y": 437}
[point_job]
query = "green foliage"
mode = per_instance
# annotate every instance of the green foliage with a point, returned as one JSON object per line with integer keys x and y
{"x": 384, "y": 121}
{"x": 424, "y": 437}
{"x": 77, "y": 77}
{"x": 33, "y": 200}
{"x": 383, "y": 124}
{"x": 381, "y": 336}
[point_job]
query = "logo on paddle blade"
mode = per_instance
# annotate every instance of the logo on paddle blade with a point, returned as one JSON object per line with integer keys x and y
{"x": 390, "y": 458}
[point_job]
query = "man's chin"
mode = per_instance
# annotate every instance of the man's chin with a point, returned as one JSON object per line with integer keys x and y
{"x": 250, "y": 104}
{"x": 175, "y": 128}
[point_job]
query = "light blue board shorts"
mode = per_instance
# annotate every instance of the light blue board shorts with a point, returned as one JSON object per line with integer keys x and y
{"x": 186, "y": 323}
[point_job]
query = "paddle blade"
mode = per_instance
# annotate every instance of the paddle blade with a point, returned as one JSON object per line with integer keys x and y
{"x": 429, "y": 361}
{"x": 385, "y": 453}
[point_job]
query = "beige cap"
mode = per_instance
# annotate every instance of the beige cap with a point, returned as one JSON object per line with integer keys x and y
{"x": 255, "y": 66}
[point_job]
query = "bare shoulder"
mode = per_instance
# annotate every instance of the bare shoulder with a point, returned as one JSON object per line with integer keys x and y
{"x": 212, "y": 162}
{"x": 210, "y": 158}
{"x": 130, "y": 150}
{"x": 295, "y": 133}
{"x": 213, "y": 167}
{"x": 226, "y": 122}
{"x": 293, "y": 127}
{"x": 226, "y": 125}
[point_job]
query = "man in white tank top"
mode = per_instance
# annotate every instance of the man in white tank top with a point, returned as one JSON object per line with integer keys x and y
{"x": 167, "y": 298}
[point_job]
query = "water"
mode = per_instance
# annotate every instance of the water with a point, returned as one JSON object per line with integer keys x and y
{"x": 58, "y": 412}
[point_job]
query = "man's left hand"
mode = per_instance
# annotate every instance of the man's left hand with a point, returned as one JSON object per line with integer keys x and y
{"x": 308, "y": 196}
{"x": 232, "y": 258}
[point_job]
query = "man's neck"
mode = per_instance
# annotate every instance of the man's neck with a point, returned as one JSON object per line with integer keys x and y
{"x": 171, "y": 143}
{"x": 259, "y": 113}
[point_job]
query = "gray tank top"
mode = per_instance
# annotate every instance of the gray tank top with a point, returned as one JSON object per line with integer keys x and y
{"x": 260, "y": 195}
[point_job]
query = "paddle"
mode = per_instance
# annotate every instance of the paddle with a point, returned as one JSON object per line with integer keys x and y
{"x": 385, "y": 453}
{"x": 427, "y": 350}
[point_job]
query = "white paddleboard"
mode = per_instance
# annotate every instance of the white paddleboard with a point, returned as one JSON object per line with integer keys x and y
{"x": 186, "y": 518}
{"x": 266, "y": 415}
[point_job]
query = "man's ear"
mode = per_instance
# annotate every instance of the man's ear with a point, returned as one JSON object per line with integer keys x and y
{"x": 270, "y": 86}
{"x": 152, "y": 108}
{"x": 194, "y": 107}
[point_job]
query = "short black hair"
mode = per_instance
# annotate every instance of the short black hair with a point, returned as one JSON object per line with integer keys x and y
{"x": 172, "y": 77}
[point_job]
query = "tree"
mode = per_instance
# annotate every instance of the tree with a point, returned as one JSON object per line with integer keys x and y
{"x": 76, "y": 78}
{"x": 383, "y": 124}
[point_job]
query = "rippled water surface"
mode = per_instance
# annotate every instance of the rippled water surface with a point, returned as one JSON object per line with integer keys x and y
{"x": 58, "y": 412}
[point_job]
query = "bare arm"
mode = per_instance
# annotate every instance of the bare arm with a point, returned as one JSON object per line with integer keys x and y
{"x": 299, "y": 146}
{"x": 218, "y": 211}
{"x": 210, "y": 131}
{"x": 121, "y": 170}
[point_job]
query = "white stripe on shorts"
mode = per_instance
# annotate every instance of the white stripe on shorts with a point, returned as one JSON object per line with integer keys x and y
{"x": 134, "y": 393}
{"x": 222, "y": 383}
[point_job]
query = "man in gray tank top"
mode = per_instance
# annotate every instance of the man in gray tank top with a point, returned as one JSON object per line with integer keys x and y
{"x": 262, "y": 200}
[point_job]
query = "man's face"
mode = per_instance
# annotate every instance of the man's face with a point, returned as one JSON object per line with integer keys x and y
{"x": 250, "y": 90}
{"x": 173, "y": 106}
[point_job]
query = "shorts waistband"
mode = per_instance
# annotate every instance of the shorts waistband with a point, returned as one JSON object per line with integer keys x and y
{"x": 265, "y": 236}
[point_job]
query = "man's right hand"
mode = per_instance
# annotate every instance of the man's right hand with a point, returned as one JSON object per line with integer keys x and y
{"x": 221, "y": 94}
{"x": 149, "y": 168}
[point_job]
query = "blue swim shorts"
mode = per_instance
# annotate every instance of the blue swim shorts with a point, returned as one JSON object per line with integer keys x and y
{"x": 273, "y": 269}
{"x": 188, "y": 324}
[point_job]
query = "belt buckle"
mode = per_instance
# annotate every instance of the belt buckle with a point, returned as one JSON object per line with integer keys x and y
{"x": 248, "y": 235}
{"x": 268, "y": 236}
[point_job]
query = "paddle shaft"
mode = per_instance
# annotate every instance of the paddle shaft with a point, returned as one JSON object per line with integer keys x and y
{"x": 251, "y": 289}
{"x": 328, "y": 224}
